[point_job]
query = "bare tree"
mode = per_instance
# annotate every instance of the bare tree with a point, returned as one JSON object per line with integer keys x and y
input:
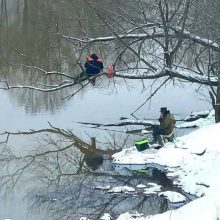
{"x": 146, "y": 40}
{"x": 162, "y": 38}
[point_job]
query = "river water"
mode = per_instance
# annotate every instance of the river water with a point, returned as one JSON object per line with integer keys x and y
{"x": 46, "y": 191}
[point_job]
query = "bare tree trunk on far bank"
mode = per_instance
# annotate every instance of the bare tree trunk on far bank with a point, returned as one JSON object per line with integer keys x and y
{"x": 217, "y": 105}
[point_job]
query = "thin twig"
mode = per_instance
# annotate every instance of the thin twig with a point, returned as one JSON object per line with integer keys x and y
{"x": 165, "y": 81}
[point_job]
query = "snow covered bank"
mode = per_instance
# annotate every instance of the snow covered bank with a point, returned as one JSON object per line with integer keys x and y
{"x": 201, "y": 122}
{"x": 193, "y": 163}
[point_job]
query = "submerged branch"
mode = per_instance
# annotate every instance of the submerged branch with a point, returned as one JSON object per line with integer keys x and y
{"x": 125, "y": 123}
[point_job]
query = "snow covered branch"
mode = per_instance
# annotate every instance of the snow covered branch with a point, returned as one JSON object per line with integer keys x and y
{"x": 178, "y": 33}
{"x": 71, "y": 82}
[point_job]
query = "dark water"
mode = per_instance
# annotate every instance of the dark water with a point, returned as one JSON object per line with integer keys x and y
{"x": 87, "y": 201}
{"x": 59, "y": 175}
{"x": 60, "y": 178}
{"x": 48, "y": 174}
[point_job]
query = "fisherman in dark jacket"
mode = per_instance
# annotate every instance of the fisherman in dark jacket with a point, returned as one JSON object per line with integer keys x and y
{"x": 93, "y": 65}
{"x": 164, "y": 132}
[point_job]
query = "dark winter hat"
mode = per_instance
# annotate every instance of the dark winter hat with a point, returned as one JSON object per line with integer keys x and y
{"x": 163, "y": 109}
{"x": 94, "y": 56}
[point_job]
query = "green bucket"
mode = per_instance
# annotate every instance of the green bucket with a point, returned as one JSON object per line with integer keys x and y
{"x": 142, "y": 144}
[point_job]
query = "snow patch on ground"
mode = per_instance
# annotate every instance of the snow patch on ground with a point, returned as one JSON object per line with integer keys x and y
{"x": 173, "y": 197}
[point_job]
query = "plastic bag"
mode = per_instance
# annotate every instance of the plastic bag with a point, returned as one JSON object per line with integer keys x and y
{"x": 110, "y": 71}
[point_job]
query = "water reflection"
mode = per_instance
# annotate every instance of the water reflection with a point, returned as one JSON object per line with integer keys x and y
{"x": 74, "y": 203}
{"x": 29, "y": 37}
{"x": 62, "y": 175}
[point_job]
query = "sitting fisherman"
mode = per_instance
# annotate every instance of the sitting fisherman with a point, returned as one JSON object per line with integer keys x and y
{"x": 93, "y": 65}
{"x": 164, "y": 132}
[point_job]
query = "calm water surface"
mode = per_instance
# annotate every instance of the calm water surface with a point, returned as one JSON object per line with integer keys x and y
{"x": 28, "y": 36}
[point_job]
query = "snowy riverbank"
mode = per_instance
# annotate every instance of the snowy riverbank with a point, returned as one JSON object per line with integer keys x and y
{"x": 193, "y": 163}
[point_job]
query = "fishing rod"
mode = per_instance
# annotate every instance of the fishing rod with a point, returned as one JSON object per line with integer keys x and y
{"x": 113, "y": 130}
